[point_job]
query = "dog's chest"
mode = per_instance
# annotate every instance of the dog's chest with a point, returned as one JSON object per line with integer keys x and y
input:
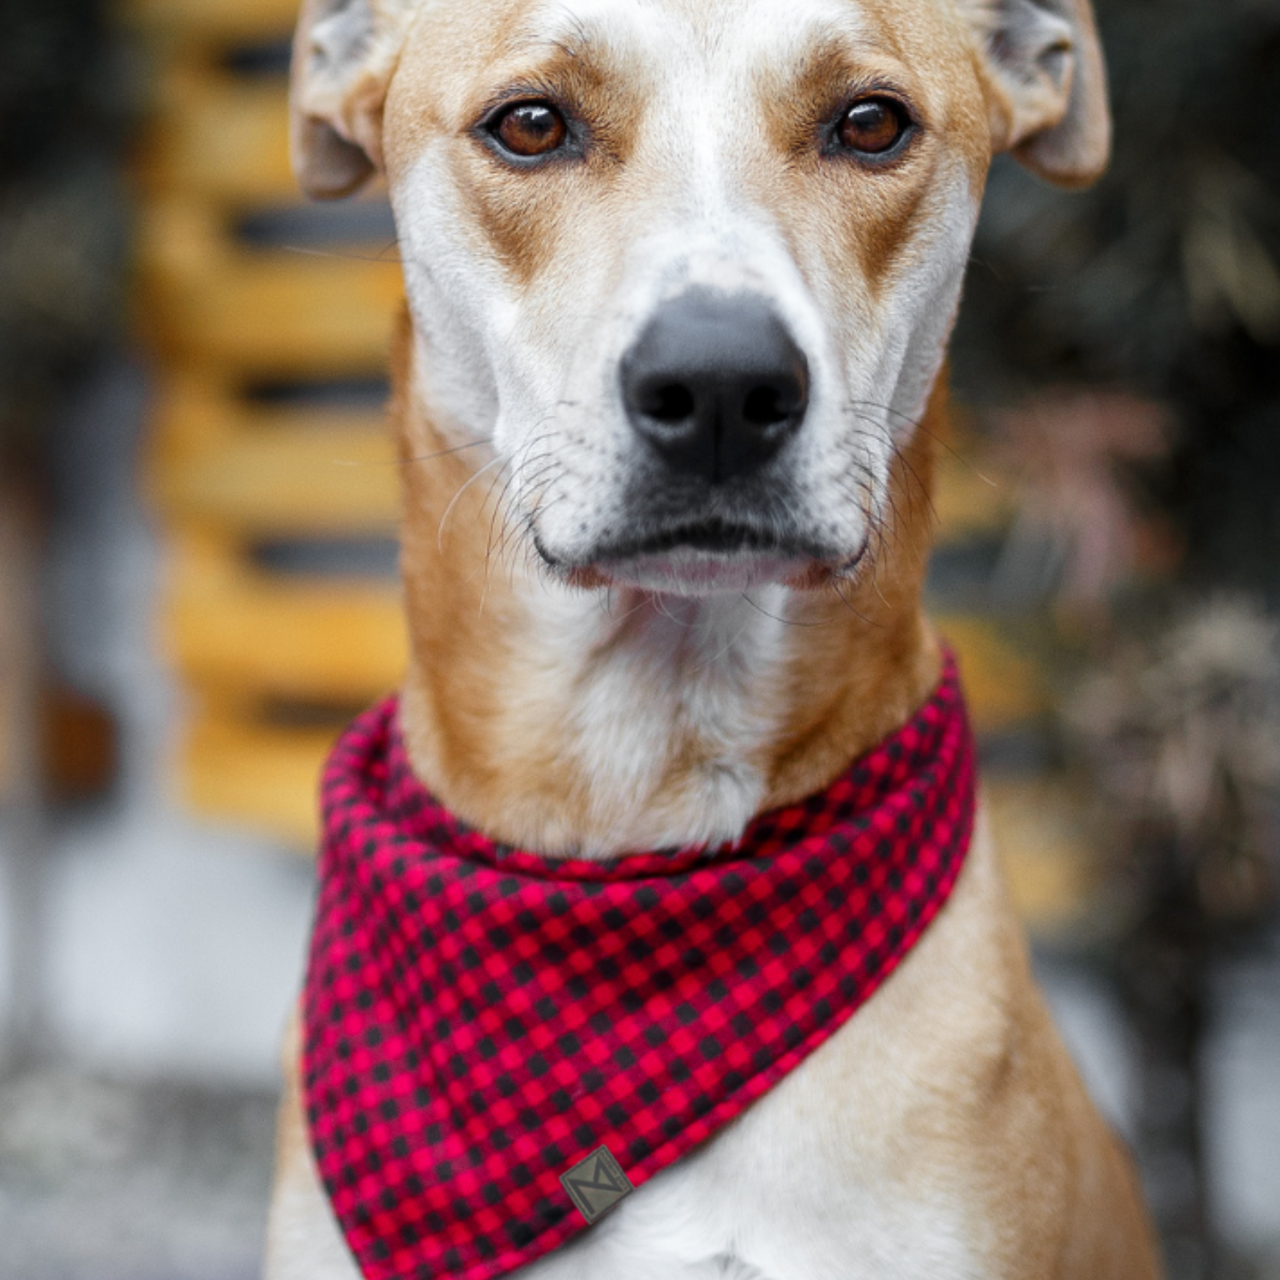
{"x": 808, "y": 1185}
{"x": 851, "y": 1168}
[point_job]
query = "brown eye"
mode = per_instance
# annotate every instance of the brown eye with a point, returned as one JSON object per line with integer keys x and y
{"x": 530, "y": 129}
{"x": 873, "y": 126}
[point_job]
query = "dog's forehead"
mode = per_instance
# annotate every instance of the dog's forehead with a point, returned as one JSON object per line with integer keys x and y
{"x": 720, "y": 32}
{"x": 685, "y": 45}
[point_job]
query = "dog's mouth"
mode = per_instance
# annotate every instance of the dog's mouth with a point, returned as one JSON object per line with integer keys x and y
{"x": 704, "y": 555}
{"x": 714, "y": 536}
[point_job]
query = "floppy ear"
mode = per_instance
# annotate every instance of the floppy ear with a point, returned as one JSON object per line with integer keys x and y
{"x": 1048, "y": 87}
{"x": 343, "y": 55}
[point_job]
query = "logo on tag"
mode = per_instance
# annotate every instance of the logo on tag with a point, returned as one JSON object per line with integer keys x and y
{"x": 596, "y": 1184}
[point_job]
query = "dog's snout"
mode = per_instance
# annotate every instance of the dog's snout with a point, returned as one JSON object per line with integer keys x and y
{"x": 715, "y": 384}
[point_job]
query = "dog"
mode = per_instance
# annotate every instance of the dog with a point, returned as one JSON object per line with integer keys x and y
{"x": 680, "y": 277}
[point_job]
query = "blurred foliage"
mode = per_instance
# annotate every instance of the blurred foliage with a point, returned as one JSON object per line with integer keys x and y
{"x": 64, "y": 106}
{"x": 1163, "y": 278}
{"x": 1158, "y": 287}
{"x": 1180, "y": 728}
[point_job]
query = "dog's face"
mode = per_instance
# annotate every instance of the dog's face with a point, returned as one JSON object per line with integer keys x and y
{"x": 689, "y": 265}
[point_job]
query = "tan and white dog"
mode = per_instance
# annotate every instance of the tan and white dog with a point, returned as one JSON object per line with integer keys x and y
{"x": 680, "y": 278}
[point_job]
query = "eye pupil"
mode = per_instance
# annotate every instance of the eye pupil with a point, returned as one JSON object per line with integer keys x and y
{"x": 531, "y": 129}
{"x": 872, "y": 126}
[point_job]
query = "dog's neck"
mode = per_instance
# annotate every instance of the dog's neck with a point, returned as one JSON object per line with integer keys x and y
{"x": 598, "y": 722}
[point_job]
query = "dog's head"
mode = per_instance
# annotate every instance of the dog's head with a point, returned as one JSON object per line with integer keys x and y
{"x": 689, "y": 265}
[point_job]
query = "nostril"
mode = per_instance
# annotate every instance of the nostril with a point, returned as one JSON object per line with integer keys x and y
{"x": 668, "y": 402}
{"x": 762, "y": 407}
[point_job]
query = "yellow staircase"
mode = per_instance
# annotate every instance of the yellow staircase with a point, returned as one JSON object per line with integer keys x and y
{"x": 273, "y": 661}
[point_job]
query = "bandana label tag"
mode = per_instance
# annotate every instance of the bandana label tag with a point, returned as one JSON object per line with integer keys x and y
{"x": 596, "y": 1184}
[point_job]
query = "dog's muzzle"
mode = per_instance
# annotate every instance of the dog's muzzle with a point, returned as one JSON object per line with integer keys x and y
{"x": 715, "y": 385}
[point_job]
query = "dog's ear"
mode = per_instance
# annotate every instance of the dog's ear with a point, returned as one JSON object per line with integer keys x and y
{"x": 343, "y": 55}
{"x": 1047, "y": 84}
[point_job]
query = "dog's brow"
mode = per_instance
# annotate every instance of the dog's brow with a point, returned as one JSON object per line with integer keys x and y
{"x": 534, "y": 44}
{"x": 835, "y": 65}
{"x": 569, "y": 34}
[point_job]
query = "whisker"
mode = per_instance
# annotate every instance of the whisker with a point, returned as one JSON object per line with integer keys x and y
{"x": 786, "y": 622}
{"x": 848, "y": 604}
{"x": 462, "y": 488}
{"x": 444, "y": 453}
{"x": 733, "y": 639}
{"x": 544, "y": 462}
{"x": 918, "y": 424}
{"x": 345, "y": 255}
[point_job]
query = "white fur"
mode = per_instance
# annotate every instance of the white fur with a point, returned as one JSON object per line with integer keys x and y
{"x": 712, "y": 663}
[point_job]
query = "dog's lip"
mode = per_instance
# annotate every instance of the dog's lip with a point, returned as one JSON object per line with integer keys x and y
{"x": 710, "y": 553}
{"x": 712, "y": 536}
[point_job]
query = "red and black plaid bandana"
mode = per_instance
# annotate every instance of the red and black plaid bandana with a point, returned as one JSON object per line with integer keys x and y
{"x": 479, "y": 1020}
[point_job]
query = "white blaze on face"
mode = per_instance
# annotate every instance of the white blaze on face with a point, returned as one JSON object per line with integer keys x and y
{"x": 702, "y": 197}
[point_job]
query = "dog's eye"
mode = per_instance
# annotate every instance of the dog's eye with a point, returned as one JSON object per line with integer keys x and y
{"x": 873, "y": 126}
{"x": 530, "y": 129}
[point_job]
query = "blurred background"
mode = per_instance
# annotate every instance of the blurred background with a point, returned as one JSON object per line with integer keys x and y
{"x": 197, "y": 588}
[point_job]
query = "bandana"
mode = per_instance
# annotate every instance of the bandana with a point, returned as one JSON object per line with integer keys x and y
{"x": 499, "y": 1045}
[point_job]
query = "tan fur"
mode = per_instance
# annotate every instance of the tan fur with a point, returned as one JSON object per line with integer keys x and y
{"x": 949, "y": 1095}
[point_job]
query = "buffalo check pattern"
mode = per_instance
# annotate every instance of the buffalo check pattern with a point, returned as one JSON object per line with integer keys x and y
{"x": 479, "y": 1020}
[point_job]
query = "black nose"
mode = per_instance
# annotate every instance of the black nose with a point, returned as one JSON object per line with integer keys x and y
{"x": 715, "y": 384}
